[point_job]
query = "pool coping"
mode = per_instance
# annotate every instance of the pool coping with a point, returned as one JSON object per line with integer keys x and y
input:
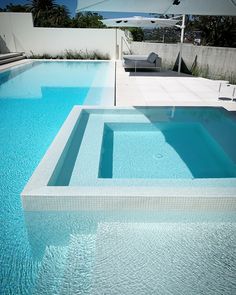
{"x": 37, "y": 195}
{"x": 23, "y": 62}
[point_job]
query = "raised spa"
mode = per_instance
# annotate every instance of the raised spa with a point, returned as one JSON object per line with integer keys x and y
{"x": 121, "y": 157}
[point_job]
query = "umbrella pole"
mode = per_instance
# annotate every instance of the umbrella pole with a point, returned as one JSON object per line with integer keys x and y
{"x": 181, "y": 43}
{"x": 117, "y": 54}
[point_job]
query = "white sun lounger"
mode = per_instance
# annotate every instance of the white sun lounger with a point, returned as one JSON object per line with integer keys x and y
{"x": 151, "y": 61}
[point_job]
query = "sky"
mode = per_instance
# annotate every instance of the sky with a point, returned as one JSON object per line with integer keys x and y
{"x": 71, "y": 4}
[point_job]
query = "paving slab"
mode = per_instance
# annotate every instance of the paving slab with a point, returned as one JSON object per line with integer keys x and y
{"x": 167, "y": 88}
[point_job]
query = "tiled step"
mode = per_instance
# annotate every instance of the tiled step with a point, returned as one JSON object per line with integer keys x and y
{"x": 11, "y": 57}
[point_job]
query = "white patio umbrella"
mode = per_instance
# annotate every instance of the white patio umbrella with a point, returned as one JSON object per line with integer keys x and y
{"x": 148, "y": 22}
{"x": 193, "y": 7}
{"x": 139, "y": 21}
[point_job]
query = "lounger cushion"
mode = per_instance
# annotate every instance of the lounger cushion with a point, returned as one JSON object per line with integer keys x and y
{"x": 135, "y": 57}
{"x": 152, "y": 57}
{"x": 139, "y": 64}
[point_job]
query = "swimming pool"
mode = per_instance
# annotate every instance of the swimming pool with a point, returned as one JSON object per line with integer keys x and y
{"x": 35, "y": 99}
{"x": 63, "y": 252}
{"x": 77, "y": 82}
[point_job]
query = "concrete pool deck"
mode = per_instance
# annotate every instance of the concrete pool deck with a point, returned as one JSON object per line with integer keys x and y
{"x": 167, "y": 88}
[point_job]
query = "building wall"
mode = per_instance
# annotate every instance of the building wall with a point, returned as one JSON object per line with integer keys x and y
{"x": 17, "y": 33}
{"x": 213, "y": 62}
{"x": 12, "y": 26}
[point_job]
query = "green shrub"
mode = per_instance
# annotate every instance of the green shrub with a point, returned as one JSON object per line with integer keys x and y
{"x": 70, "y": 54}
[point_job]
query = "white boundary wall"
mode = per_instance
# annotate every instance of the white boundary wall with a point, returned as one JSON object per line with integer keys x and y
{"x": 214, "y": 62}
{"x": 17, "y": 33}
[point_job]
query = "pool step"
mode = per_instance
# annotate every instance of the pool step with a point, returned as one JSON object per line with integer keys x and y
{"x": 11, "y": 57}
{"x": 67, "y": 270}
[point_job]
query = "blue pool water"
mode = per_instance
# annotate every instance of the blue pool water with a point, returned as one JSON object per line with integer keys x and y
{"x": 163, "y": 150}
{"x": 60, "y": 81}
{"x": 34, "y": 102}
{"x": 64, "y": 252}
